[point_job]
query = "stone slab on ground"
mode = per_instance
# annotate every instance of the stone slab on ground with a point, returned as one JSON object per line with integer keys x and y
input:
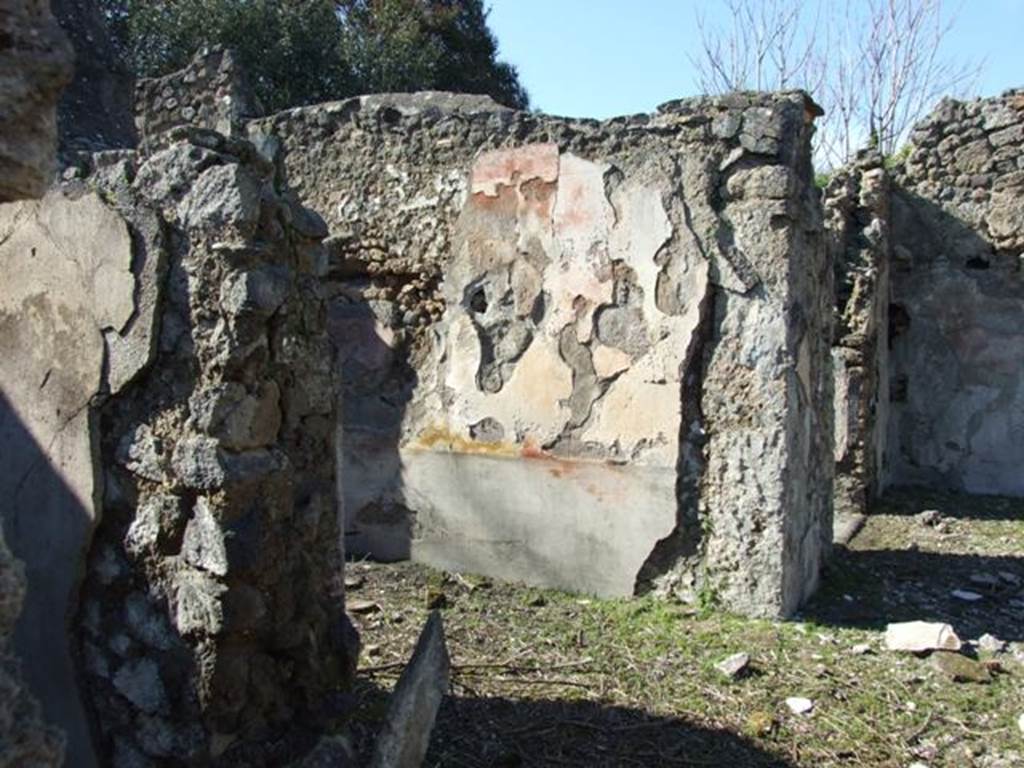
{"x": 920, "y": 637}
{"x": 414, "y": 702}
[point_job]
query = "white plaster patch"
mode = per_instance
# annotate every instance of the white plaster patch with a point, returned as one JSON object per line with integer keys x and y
{"x": 634, "y": 411}
{"x": 530, "y": 403}
{"x": 639, "y": 234}
{"x": 579, "y": 278}
{"x": 609, "y": 361}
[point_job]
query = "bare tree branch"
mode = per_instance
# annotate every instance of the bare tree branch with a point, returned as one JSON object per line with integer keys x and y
{"x": 874, "y": 65}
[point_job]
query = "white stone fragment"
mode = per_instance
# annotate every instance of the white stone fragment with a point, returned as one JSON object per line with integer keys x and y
{"x": 991, "y": 643}
{"x": 798, "y": 705}
{"x": 921, "y": 636}
{"x": 734, "y": 666}
{"x": 966, "y": 595}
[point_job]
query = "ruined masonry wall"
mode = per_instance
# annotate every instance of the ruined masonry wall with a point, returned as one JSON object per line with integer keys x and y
{"x": 958, "y": 300}
{"x": 857, "y": 220}
{"x": 174, "y": 398}
{"x": 36, "y": 61}
{"x": 211, "y": 92}
{"x": 584, "y": 354}
{"x": 218, "y": 554}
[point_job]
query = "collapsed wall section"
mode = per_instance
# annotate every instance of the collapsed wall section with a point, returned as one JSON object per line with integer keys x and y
{"x": 530, "y": 310}
{"x": 958, "y": 300}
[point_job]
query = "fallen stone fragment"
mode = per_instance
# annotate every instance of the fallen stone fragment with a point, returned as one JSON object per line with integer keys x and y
{"x": 966, "y": 595}
{"x": 353, "y": 582}
{"x": 960, "y": 669}
{"x": 362, "y": 606}
{"x": 991, "y": 643}
{"x": 920, "y": 637}
{"x": 993, "y": 665}
{"x": 930, "y": 517}
{"x": 472, "y": 583}
{"x": 734, "y": 666}
{"x": 798, "y": 705}
{"x": 405, "y": 736}
{"x": 985, "y": 580}
{"x": 861, "y": 649}
{"x": 1020, "y": 724}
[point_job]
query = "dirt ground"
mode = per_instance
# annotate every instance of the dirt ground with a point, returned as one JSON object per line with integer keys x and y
{"x": 544, "y": 678}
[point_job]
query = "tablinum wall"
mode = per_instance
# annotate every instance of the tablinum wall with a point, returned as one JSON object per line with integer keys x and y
{"x": 584, "y": 354}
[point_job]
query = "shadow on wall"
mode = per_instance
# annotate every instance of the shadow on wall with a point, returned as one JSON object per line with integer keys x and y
{"x": 956, "y": 341}
{"x": 378, "y": 382}
{"x": 44, "y": 524}
{"x": 508, "y": 733}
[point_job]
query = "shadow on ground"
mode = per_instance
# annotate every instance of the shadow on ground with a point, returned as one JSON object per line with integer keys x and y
{"x": 489, "y": 732}
{"x": 901, "y": 568}
{"x": 911, "y": 501}
{"x": 872, "y": 588}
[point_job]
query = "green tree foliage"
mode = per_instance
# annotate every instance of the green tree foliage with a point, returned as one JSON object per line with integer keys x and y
{"x": 306, "y": 51}
{"x": 402, "y": 45}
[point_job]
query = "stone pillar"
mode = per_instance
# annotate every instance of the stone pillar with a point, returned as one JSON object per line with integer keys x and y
{"x": 211, "y": 616}
{"x": 35, "y": 58}
{"x": 767, "y": 386}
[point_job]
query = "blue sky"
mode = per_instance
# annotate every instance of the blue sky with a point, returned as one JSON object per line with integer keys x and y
{"x": 601, "y": 58}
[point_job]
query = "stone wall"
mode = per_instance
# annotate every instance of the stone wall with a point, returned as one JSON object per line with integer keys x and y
{"x": 958, "y": 300}
{"x": 164, "y": 344}
{"x": 211, "y": 92}
{"x": 35, "y": 59}
{"x": 930, "y": 307}
{"x": 588, "y": 355}
{"x": 857, "y": 219}
{"x": 68, "y": 266}
{"x": 218, "y": 556}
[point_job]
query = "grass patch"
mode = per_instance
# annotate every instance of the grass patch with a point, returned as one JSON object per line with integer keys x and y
{"x": 547, "y": 678}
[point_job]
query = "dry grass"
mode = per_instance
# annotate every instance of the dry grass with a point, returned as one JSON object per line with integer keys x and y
{"x": 545, "y": 678}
